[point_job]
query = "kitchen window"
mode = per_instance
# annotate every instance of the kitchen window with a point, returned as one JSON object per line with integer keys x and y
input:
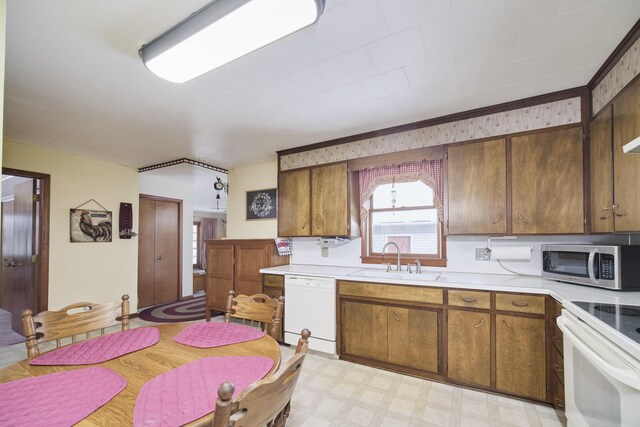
{"x": 403, "y": 204}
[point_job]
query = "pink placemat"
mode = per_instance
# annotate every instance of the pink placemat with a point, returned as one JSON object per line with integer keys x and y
{"x": 216, "y": 334}
{"x": 100, "y": 349}
{"x": 190, "y": 391}
{"x": 60, "y": 399}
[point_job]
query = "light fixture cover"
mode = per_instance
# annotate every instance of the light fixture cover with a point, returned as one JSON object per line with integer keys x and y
{"x": 222, "y": 31}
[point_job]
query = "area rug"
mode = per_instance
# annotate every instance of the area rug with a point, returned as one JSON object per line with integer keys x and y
{"x": 181, "y": 311}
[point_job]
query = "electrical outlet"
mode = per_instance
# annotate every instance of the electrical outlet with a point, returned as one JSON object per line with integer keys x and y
{"x": 324, "y": 252}
{"x": 482, "y": 254}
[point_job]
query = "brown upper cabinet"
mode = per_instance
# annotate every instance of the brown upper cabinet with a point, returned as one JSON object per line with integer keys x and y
{"x": 615, "y": 201}
{"x": 317, "y": 202}
{"x": 546, "y": 180}
{"x": 601, "y": 168}
{"x": 547, "y": 183}
{"x": 477, "y": 182}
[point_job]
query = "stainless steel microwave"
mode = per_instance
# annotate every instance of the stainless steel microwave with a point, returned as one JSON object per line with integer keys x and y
{"x": 611, "y": 267}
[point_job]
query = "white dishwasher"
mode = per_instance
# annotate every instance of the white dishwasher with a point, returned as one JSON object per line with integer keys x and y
{"x": 310, "y": 302}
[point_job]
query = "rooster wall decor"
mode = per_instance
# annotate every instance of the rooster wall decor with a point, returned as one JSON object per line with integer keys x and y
{"x": 90, "y": 226}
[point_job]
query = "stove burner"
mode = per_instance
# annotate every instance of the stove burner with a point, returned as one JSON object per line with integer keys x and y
{"x": 625, "y": 311}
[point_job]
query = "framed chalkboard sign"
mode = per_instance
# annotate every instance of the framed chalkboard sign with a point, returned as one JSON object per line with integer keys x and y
{"x": 262, "y": 204}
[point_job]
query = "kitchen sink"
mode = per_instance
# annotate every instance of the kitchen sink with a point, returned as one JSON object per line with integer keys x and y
{"x": 397, "y": 275}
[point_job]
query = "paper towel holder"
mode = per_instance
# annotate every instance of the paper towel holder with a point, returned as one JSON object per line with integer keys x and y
{"x": 522, "y": 249}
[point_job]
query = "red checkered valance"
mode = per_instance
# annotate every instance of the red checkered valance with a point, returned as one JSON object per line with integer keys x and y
{"x": 427, "y": 171}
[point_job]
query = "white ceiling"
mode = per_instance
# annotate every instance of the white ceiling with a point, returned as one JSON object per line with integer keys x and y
{"x": 74, "y": 82}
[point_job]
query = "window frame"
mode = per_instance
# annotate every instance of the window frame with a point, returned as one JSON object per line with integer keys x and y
{"x": 370, "y": 257}
{"x": 199, "y": 252}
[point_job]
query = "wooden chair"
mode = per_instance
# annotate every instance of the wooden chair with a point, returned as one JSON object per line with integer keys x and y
{"x": 265, "y": 402}
{"x": 259, "y": 311}
{"x": 85, "y": 318}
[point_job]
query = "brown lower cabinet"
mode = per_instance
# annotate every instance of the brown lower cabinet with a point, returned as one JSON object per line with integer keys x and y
{"x": 395, "y": 336}
{"x": 235, "y": 265}
{"x": 495, "y": 341}
{"x": 469, "y": 346}
{"x": 521, "y": 356}
{"x": 273, "y": 287}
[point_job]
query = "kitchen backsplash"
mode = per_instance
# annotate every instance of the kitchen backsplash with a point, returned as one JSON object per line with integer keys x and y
{"x": 460, "y": 252}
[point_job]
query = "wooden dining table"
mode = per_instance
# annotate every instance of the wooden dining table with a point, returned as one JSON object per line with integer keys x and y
{"x": 142, "y": 365}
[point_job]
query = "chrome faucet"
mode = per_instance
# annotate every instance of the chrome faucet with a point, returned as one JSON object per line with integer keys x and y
{"x": 418, "y": 267}
{"x": 384, "y": 248}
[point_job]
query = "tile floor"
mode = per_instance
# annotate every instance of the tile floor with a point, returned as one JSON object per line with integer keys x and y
{"x": 333, "y": 392}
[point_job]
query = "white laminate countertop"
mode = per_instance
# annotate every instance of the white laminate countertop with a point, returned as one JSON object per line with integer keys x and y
{"x": 565, "y": 293}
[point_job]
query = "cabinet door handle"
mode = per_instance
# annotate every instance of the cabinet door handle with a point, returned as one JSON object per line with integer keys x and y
{"x": 558, "y": 368}
{"x": 605, "y": 211}
{"x": 479, "y": 324}
{"x": 617, "y": 211}
{"x": 495, "y": 221}
{"x": 315, "y": 224}
{"x": 504, "y": 322}
{"x": 522, "y": 218}
{"x": 159, "y": 258}
{"x": 395, "y": 316}
{"x": 519, "y": 304}
{"x": 557, "y": 339}
{"x": 303, "y": 226}
{"x": 468, "y": 299}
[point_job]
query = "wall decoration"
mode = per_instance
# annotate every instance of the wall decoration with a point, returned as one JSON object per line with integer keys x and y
{"x": 261, "y": 204}
{"x": 90, "y": 226}
{"x": 541, "y": 116}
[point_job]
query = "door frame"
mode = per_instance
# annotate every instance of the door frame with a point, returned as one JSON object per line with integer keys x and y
{"x": 180, "y": 226}
{"x": 43, "y": 233}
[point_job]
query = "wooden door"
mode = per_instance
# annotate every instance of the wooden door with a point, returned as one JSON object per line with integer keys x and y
{"x": 158, "y": 251}
{"x": 249, "y": 258}
{"x": 547, "y": 183}
{"x": 7, "y": 255}
{"x": 220, "y": 273}
{"x": 146, "y": 253}
{"x": 413, "y": 338}
{"x": 363, "y": 330}
{"x": 521, "y": 356}
{"x": 329, "y": 200}
{"x": 23, "y": 292}
{"x": 477, "y": 188}
{"x": 469, "y": 347}
{"x": 167, "y": 236}
{"x": 626, "y": 171}
{"x": 294, "y": 192}
{"x": 601, "y": 168}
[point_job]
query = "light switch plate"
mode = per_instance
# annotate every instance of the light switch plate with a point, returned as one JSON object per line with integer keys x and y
{"x": 482, "y": 254}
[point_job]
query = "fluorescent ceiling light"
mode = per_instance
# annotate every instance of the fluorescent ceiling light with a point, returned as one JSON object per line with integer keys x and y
{"x": 222, "y": 31}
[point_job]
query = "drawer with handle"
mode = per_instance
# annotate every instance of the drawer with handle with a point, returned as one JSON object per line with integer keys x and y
{"x": 475, "y": 299}
{"x": 273, "y": 280}
{"x": 521, "y": 303}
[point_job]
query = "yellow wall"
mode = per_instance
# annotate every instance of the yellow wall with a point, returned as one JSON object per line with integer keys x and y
{"x": 93, "y": 272}
{"x": 241, "y": 180}
{"x": 3, "y": 27}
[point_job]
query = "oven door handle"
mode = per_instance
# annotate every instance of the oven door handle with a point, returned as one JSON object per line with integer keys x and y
{"x": 592, "y": 274}
{"x": 626, "y": 377}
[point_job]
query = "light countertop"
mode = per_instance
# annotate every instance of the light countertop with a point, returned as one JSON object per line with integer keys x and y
{"x": 565, "y": 293}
